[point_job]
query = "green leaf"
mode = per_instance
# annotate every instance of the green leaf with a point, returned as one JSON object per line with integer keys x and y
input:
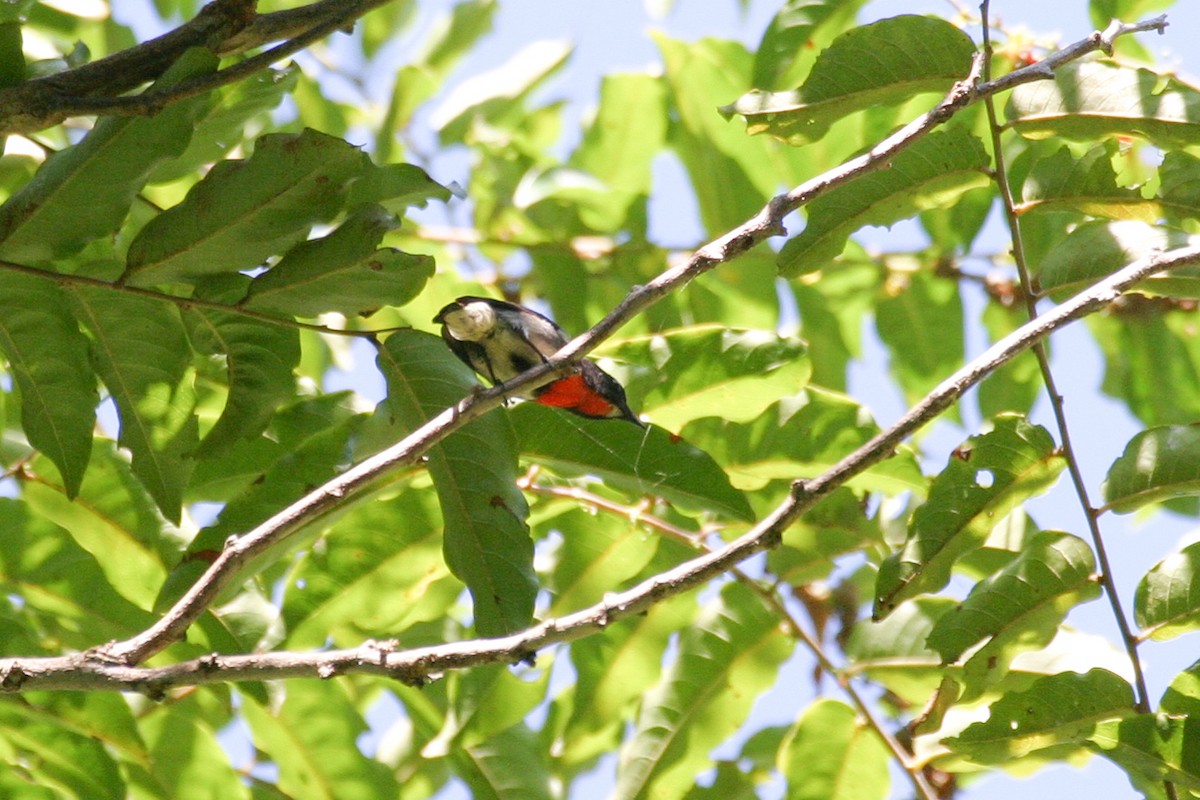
{"x": 259, "y": 360}
{"x": 644, "y": 462}
{"x": 1090, "y": 100}
{"x": 1019, "y": 608}
{"x": 831, "y": 754}
{"x": 359, "y": 584}
{"x": 802, "y": 436}
{"x": 598, "y": 555}
{"x": 921, "y": 323}
{"x": 494, "y": 91}
{"x": 987, "y": 477}
{"x": 342, "y": 272}
{"x": 112, "y": 519}
{"x": 736, "y": 642}
{"x": 395, "y": 187}
{"x": 246, "y": 210}
{"x": 47, "y": 358}
{"x": 1167, "y": 603}
{"x": 731, "y": 176}
{"x": 1151, "y": 361}
{"x": 222, "y": 126}
{"x": 51, "y": 753}
{"x": 1094, "y": 250}
{"x": 84, "y": 192}
{"x": 1159, "y": 747}
{"x": 474, "y": 470}
{"x": 1157, "y": 464}
{"x": 510, "y": 765}
{"x": 711, "y": 370}
{"x": 797, "y": 30}
{"x": 1052, "y": 574}
{"x": 933, "y": 172}
{"x": 832, "y": 310}
{"x": 311, "y": 739}
{"x": 185, "y": 756}
{"x": 61, "y": 583}
{"x": 1182, "y": 697}
{"x": 1059, "y": 709}
{"x": 613, "y": 672}
{"x": 1085, "y": 183}
{"x": 627, "y": 133}
{"x": 894, "y": 651}
{"x": 140, "y": 351}
{"x": 884, "y": 63}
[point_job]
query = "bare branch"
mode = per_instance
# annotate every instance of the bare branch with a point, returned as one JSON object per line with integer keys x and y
{"x": 226, "y": 27}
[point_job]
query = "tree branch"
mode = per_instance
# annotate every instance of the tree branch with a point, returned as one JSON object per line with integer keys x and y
{"x": 227, "y": 27}
{"x": 239, "y": 551}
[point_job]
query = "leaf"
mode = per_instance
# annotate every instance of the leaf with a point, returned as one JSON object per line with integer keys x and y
{"x": 51, "y": 753}
{"x": 112, "y": 519}
{"x": 47, "y": 358}
{"x": 1094, "y": 250}
{"x": 933, "y": 172}
{"x": 1090, "y": 100}
{"x": 62, "y": 584}
{"x": 1059, "y": 709}
{"x": 259, "y": 359}
{"x": 510, "y": 765}
{"x": 360, "y": 584}
{"x": 395, "y": 187}
{"x": 486, "y": 541}
{"x": 1053, "y": 573}
{"x": 831, "y": 754}
{"x": 311, "y": 739}
{"x": 140, "y": 351}
{"x": 894, "y": 653}
{"x": 735, "y": 643}
{"x": 711, "y": 370}
{"x": 832, "y": 310}
{"x": 987, "y": 477}
{"x": 342, "y": 272}
{"x": 613, "y": 672}
{"x": 498, "y": 88}
{"x": 1167, "y": 602}
{"x": 84, "y": 192}
{"x": 239, "y": 107}
{"x": 730, "y": 175}
{"x": 921, "y": 323}
{"x": 1020, "y": 608}
{"x": 1151, "y": 361}
{"x": 1085, "y": 183}
{"x": 598, "y": 555}
{"x": 246, "y": 210}
{"x": 1157, "y": 464}
{"x": 803, "y": 435}
{"x": 185, "y": 756}
{"x": 644, "y": 462}
{"x": 1156, "y": 746}
{"x": 884, "y": 63}
{"x": 798, "y": 27}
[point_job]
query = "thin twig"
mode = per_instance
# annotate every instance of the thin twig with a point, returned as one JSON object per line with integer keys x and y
{"x": 1090, "y": 513}
{"x": 184, "y": 303}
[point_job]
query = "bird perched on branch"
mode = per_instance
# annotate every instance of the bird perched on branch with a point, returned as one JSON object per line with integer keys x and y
{"x": 500, "y": 340}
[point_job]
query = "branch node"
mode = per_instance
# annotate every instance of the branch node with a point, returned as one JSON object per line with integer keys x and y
{"x": 12, "y": 677}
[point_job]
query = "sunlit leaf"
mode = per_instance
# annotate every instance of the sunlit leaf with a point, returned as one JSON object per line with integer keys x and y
{"x": 1157, "y": 464}
{"x": 1089, "y": 100}
{"x": 796, "y": 32}
{"x": 987, "y": 477}
{"x": 831, "y": 754}
{"x": 1167, "y": 603}
{"x": 933, "y": 172}
{"x": 886, "y": 62}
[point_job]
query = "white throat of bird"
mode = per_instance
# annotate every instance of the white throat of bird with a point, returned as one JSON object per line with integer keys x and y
{"x": 471, "y": 322}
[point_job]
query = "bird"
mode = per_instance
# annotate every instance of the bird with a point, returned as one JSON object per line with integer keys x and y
{"x": 500, "y": 340}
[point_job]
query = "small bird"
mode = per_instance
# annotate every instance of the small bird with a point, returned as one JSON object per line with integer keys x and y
{"x": 500, "y": 340}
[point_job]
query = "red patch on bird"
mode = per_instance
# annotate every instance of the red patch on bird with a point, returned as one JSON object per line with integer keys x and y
{"x": 573, "y": 392}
